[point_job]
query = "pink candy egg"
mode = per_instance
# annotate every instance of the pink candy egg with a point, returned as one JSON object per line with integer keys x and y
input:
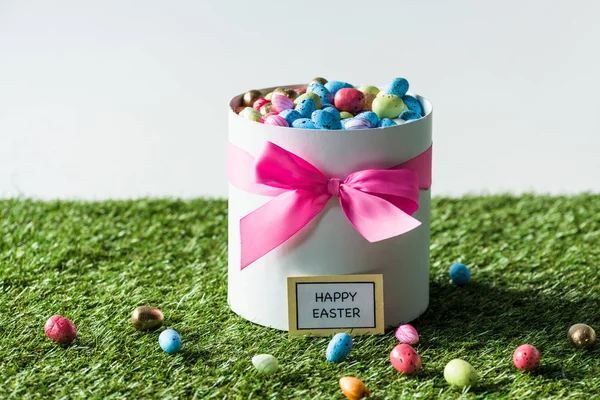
{"x": 281, "y": 102}
{"x": 526, "y": 357}
{"x": 300, "y": 90}
{"x": 259, "y": 103}
{"x": 60, "y": 330}
{"x": 407, "y": 334}
{"x": 405, "y": 359}
{"x": 276, "y": 120}
{"x": 350, "y": 100}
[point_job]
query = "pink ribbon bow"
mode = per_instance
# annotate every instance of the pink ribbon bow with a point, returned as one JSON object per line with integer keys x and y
{"x": 377, "y": 202}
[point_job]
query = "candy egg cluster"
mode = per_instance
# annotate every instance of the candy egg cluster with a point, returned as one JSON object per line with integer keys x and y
{"x": 333, "y": 105}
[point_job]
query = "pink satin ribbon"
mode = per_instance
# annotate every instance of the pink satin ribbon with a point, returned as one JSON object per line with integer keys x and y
{"x": 377, "y": 202}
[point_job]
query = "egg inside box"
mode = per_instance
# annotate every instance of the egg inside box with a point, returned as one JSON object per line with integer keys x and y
{"x": 329, "y": 244}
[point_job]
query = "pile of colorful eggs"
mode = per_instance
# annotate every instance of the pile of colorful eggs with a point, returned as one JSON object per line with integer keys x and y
{"x": 333, "y": 105}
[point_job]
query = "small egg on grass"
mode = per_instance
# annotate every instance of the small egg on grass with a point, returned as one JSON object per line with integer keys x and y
{"x": 407, "y": 334}
{"x": 60, "y": 330}
{"x": 460, "y": 274}
{"x": 405, "y": 359}
{"x": 339, "y": 347}
{"x": 460, "y": 373}
{"x": 265, "y": 364}
{"x": 526, "y": 357}
{"x": 170, "y": 341}
{"x": 353, "y": 388}
{"x": 147, "y": 318}
{"x": 582, "y": 336}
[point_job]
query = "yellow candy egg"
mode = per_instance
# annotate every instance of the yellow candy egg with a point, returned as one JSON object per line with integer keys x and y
{"x": 369, "y": 89}
{"x": 388, "y": 106}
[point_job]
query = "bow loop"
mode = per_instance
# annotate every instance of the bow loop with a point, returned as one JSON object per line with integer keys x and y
{"x": 378, "y": 203}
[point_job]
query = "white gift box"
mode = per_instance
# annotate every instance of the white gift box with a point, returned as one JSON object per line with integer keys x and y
{"x": 329, "y": 244}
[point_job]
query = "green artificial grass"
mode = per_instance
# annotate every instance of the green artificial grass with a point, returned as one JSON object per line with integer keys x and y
{"x": 535, "y": 264}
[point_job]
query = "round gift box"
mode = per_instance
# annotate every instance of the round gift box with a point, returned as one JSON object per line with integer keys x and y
{"x": 329, "y": 244}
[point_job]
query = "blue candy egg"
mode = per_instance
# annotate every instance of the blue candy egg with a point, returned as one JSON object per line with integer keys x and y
{"x": 397, "y": 87}
{"x": 321, "y": 91}
{"x": 369, "y": 116}
{"x": 459, "y": 273}
{"x": 306, "y": 107}
{"x": 409, "y": 115}
{"x": 334, "y": 86}
{"x": 325, "y": 120}
{"x": 385, "y": 122}
{"x": 303, "y": 123}
{"x": 331, "y": 109}
{"x": 339, "y": 347}
{"x": 290, "y": 115}
{"x": 170, "y": 341}
{"x": 413, "y": 104}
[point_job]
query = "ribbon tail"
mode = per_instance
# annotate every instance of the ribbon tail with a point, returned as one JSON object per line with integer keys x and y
{"x": 373, "y": 217}
{"x": 273, "y": 223}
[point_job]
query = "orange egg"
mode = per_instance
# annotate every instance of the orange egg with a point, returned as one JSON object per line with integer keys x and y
{"x": 353, "y": 388}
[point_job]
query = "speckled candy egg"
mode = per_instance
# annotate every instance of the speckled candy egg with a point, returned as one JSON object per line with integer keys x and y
{"x": 60, "y": 330}
{"x": 409, "y": 115}
{"x": 290, "y": 115}
{"x": 369, "y": 102}
{"x": 306, "y": 107}
{"x": 333, "y": 111}
{"x": 170, "y": 341}
{"x": 334, "y": 86}
{"x": 413, "y": 104}
{"x": 397, "y": 87}
{"x": 265, "y": 364}
{"x": 405, "y": 359}
{"x": 310, "y": 95}
{"x": 325, "y": 120}
{"x": 276, "y": 120}
{"x": 459, "y": 273}
{"x": 407, "y": 334}
{"x": 388, "y": 106}
{"x": 353, "y": 388}
{"x": 339, "y": 347}
{"x": 369, "y": 116}
{"x": 147, "y": 318}
{"x": 369, "y": 89}
{"x": 385, "y": 122}
{"x": 349, "y": 99}
{"x": 460, "y": 373}
{"x": 321, "y": 91}
{"x": 281, "y": 102}
{"x": 303, "y": 123}
{"x": 582, "y": 336}
{"x": 526, "y": 357}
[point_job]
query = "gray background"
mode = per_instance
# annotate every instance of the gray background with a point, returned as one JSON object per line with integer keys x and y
{"x": 126, "y": 99}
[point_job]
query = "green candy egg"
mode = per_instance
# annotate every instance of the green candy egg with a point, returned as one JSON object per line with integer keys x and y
{"x": 369, "y": 89}
{"x": 388, "y": 106}
{"x": 345, "y": 115}
{"x": 460, "y": 373}
{"x": 251, "y": 114}
{"x": 313, "y": 96}
{"x": 265, "y": 363}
